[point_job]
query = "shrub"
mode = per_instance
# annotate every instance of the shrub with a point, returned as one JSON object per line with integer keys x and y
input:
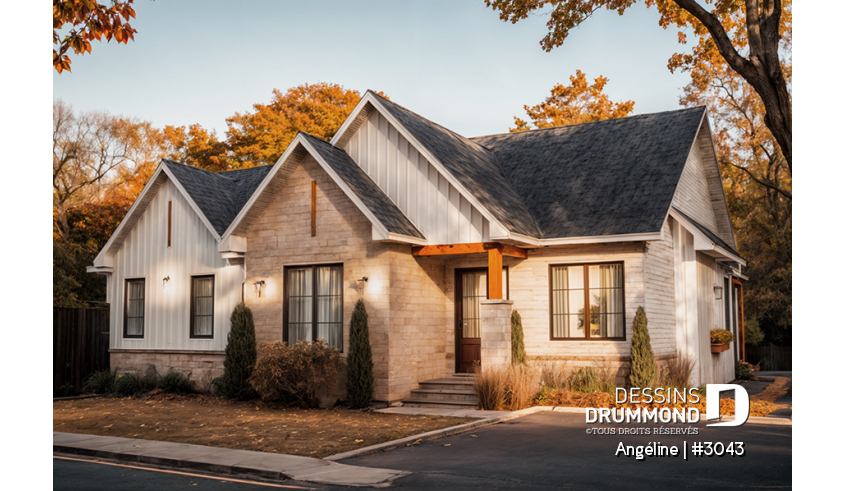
{"x": 175, "y": 383}
{"x": 677, "y": 372}
{"x": 742, "y": 371}
{"x": 506, "y": 388}
{"x": 554, "y": 374}
{"x": 66, "y": 390}
{"x": 100, "y": 382}
{"x": 360, "y": 381}
{"x": 517, "y": 339}
{"x": 295, "y": 373}
{"x": 643, "y": 370}
{"x": 753, "y": 334}
{"x": 149, "y": 381}
{"x": 241, "y": 354}
{"x": 720, "y": 336}
{"x": 586, "y": 380}
{"x": 128, "y": 384}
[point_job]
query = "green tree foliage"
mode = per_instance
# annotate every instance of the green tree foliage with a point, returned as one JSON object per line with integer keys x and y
{"x": 753, "y": 334}
{"x": 517, "y": 339}
{"x": 359, "y": 362}
{"x": 643, "y": 369}
{"x": 241, "y": 354}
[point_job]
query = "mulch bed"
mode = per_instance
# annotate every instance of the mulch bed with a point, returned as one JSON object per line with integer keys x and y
{"x": 207, "y": 420}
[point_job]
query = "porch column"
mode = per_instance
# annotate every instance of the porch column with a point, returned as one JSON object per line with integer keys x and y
{"x": 495, "y": 332}
{"x": 494, "y": 274}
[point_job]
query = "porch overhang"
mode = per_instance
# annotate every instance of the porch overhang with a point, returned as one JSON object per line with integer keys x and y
{"x": 494, "y": 250}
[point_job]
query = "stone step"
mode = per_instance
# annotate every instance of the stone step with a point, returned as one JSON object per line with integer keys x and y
{"x": 463, "y": 395}
{"x": 440, "y": 403}
{"x": 456, "y": 383}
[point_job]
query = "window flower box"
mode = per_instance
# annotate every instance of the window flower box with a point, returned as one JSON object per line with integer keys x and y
{"x": 718, "y": 348}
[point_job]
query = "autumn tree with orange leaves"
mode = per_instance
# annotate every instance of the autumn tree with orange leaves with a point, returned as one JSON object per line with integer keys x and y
{"x": 578, "y": 102}
{"x": 260, "y": 137}
{"x": 89, "y": 21}
{"x": 756, "y": 177}
{"x": 746, "y": 34}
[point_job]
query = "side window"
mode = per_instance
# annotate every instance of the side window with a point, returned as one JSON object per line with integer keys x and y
{"x": 133, "y": 309}
{"x": 202, "y": 306}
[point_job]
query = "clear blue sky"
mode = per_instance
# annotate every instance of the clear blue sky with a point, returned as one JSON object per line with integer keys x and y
{"x": 454, "y": 62}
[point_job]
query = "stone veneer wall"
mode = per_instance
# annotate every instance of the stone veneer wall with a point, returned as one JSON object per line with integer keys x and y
{"x": 201, "y": 366}
{"x": 404, "y": 297}
{"x": 496, "y": 350}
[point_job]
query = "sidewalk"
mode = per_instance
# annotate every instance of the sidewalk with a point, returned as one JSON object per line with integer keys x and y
{"x": 222, "y": 460}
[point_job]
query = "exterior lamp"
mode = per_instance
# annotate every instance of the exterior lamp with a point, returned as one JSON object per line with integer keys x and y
{"x": 164, "y": 282}
{"x": 258, "y": 286}
{"x": 362, "y": 282}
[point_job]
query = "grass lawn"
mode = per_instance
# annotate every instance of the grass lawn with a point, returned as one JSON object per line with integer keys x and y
{"x": 206, "y": 420}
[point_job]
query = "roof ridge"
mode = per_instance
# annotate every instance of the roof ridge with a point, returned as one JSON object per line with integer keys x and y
{"x": 603, "y": 121}
{"x": 434, "y": 123}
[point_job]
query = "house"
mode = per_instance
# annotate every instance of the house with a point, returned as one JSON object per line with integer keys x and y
{"x": 442, "y": 236}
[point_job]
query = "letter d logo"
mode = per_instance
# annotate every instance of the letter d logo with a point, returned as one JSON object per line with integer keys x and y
{"x": 743, "y": 407}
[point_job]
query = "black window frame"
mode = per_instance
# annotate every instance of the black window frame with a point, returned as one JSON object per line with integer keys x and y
{"x": 193, "y": 307}
{"x": 586, "y": 336}
{"x": 126, "y": 282}
{"x": 286, "y": 295}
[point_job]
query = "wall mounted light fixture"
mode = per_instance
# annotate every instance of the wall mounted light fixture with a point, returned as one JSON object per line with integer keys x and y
{"x": 164, "y": 282}
{"x": 362, "y": 282}
{"x": 258, "y": 286}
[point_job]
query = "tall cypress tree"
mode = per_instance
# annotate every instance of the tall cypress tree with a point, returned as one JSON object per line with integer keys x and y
{"x": 359, "y": 361}
{"x": 241, "y": 354}
{"x": 643, "y": 370}
{"x": 517, "y": 339}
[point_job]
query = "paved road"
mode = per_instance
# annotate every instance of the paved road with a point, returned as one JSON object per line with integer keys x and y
{"x": 552, "y": 451}
{"x": 74, "y": 475}
{"x": 539, "y": 452}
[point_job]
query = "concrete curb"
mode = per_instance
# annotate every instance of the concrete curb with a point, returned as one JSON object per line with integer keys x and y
{"x": 433, "y": 435}
{"x": 222, "y": 460}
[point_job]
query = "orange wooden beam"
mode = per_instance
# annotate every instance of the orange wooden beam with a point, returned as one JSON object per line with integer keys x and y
{"x": 473, "y": 248}
{"x": 494, "y": 274}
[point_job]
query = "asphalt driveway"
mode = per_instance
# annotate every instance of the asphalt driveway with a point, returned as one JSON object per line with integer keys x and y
{"x": 553, "y": 451}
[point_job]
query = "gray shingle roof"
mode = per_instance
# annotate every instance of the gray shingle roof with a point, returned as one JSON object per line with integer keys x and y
{"x": 219, "y": 195}
{"x": 365, "y": 188}
{"x": 605, "y": 178}
{"x": 473, "y": 166}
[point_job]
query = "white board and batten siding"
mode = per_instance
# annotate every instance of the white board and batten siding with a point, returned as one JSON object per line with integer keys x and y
{"x": 697, "y": 310}
{"x": 693, "y": 193}
{"x": 193, "y": 252}
{"x": 418, "y": 189}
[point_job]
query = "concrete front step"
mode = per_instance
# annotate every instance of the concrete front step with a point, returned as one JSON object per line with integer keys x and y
{"x": 451, "y": 392}
{"x": 441, "y": 403}
{"x": 467, "y": 395}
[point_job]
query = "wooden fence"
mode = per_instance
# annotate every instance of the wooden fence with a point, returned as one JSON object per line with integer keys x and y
{"x": 770, "y": 357}
{"x": 80, "y": 344}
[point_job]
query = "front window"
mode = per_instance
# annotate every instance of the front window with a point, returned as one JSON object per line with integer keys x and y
{"x": 588, "y": 302}
{"x": 133, "y": 309}
{"x": 202, "y": 306}
{"x": 314, "y": 304}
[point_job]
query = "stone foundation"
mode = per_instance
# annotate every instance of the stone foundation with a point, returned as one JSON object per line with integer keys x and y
{"x": 201, "y": 366}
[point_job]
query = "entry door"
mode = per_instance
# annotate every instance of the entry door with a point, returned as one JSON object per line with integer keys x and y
{"x": 470, "y": 288}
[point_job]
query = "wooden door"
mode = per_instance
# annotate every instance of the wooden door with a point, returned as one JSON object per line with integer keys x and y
{"x": 470, "y": 288}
